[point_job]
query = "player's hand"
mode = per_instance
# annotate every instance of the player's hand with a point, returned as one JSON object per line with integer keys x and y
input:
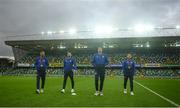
{"x": 74, "y": 71}
{"x": 108, "y": 66}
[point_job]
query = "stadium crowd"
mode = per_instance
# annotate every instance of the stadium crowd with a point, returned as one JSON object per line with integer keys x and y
{"x": 85, "y": 59}
{"x": 56, "y": 61}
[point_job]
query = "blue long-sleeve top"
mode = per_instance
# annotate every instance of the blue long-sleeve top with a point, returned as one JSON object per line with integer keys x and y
{"x": 100, "y": 59}
{"x": 41, "y": 63}
{"x": 128, "y": 67}
{"x": 69, "y": 64}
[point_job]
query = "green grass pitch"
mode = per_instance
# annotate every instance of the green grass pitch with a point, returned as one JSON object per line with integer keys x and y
{"x": 20, "y": 91}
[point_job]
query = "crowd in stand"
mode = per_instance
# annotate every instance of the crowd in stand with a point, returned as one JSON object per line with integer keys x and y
{"x": 85, "y": 59}
{"x": 160, "y": 58}
{"x": 5, "y": 64}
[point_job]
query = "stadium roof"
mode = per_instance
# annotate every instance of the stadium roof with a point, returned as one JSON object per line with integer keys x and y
{"x": 94, "y": 43}
{"x": 102, "y": 32}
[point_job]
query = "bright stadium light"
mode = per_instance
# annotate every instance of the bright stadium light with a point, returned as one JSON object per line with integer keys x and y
{"x": 148, "y": 45}
{"x": 177, "y": 45}
{"x": 116, "y": 29}
{"x": 143, "y": 28}
{"x": 49, "y": 32}
{"x": 178, "y": 27}
{"x": 61, "y": 31}
{"x": 108, "y": 29}
{"x": 139, "y": 28}
{"x": 103, "y": 29}
{"x": 129, "y": 28}
{"x": 149, "y": 27}
{"x": 42, "y": 33}
{"x": 98, "y": 29}
{"x": 72, "y": 31}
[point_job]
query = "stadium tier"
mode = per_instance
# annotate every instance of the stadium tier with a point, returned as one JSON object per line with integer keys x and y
{"x": 157, "y": 56}
{"x": 115, "y": 59}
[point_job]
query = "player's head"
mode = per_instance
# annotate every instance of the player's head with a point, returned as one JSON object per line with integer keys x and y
{"x": 42, "y": 53}
{"x": 100, "y": 50}
{"x": 129, "y": 56}
{"x": 69, "y": 54}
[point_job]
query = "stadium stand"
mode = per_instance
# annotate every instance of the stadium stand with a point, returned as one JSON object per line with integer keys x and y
{"x": 162, "y": 59}
{"x": 5, "y": 63}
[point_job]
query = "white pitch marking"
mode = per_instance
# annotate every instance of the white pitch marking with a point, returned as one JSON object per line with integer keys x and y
{"x": 168, "y": 100}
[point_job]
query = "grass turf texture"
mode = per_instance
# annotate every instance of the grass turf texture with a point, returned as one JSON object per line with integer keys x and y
{"x": 20, "y": 91}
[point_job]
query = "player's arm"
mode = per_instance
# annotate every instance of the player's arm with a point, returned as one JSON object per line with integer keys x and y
{"x": 36, "y": 63}
{"x": 47, "y": 63}
{"x": 106, "y": 60}
{"x": 123, "y": 66}
{"x": 134, "y": 68}
{"x": 74, "y": 64}
{"x": 93, "y": 60}
{"x": 64, "y": 64}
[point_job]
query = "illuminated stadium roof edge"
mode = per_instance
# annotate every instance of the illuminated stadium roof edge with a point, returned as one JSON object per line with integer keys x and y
{"x": 100, "y": 33}
{"x": 92, "y": 43}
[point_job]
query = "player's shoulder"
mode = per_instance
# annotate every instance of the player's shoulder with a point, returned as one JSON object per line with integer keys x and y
{"x": 38, "y": 57}
{"x": 45, "y": 58}
{"x": 73, "y": 58}
{"x": 95, "y": 54}
{"x": 124, "y": 61}
{"x": 133, "y": 61}
{"x": 65, "y": 58}
{"x": 104, "y": 54}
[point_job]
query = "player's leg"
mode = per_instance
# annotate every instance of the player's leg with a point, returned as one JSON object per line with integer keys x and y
{"x": 64, "y": 82}
{"x": 43, "y": 77}
{"x": 38, "y": 84}
{"x": 131, "y": 84}
{"x": 71, "y": 76}
{"x": 96, "y": 82}
{"x": 102, "y": 77}
{"x": 125, "y": 83}
{"x": 72, "y": 80}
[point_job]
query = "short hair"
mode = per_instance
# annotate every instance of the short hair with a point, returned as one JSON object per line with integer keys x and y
{"x": 68, "y": 52}
{"x": 100, "y": 47}
{"x": 42, "y": 51}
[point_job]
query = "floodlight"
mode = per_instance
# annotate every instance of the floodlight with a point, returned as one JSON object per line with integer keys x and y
{"x": 72, "y": 31}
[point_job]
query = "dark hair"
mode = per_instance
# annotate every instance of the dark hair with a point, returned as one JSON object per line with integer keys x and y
{"x": 100, "y": 47}
{"x": 42, "y": 51}
{"x": 68, "y": 52}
